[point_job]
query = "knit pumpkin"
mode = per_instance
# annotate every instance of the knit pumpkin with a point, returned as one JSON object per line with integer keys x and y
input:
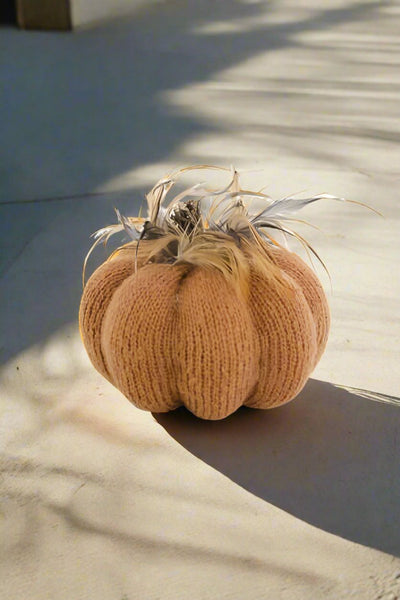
{"x": 203, "y": 307}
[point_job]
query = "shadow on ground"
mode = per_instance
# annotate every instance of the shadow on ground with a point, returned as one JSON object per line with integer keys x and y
{"x": 84, "y": 108}
{"x": 329, "y": 458}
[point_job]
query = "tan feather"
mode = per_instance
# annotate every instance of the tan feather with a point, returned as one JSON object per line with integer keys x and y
{"x": 211, "y": 228}
{"x": 212, "y": 250}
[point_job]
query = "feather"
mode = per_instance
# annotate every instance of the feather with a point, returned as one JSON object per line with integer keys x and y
{"x": 156, "y": 196}
{"x": 212, "y": 228}
{"x": 259, "y": 257}
{"x": 216, "y": 251}
{"x": 101, "y": 235}
{"x": 127, "y": 225}
{"x": 283, "y": 208}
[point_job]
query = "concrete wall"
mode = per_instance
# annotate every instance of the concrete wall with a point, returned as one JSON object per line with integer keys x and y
{"x": 86, "y": 12}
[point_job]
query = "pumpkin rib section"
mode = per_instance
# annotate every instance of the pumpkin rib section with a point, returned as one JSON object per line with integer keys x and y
{"x": 287, "y": 337}
{"x": 217, "y": 346}
{"x": 137, "y": 337}
{"x": 96, "y": 297}
{"x": 313, "y": 292}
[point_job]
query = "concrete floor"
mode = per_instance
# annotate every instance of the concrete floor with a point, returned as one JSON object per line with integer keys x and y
{"x": 101, "y": 500}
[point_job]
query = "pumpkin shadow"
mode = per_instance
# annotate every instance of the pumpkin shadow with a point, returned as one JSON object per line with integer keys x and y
{"x": 330, "y": 458}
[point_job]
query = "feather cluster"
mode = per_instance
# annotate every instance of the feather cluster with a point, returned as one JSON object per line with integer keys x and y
{"x": 212, "y": 228}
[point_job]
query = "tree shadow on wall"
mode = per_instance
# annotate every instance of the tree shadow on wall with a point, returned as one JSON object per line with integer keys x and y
{"x": 330, "y": 458}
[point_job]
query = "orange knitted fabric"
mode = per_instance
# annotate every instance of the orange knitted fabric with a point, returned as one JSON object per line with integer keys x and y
{"x": 173, "y": 334}
{"x": 203, "y": 307}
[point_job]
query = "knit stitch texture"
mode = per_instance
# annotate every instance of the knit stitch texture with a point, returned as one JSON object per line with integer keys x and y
{"x": 173, "y": 334}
